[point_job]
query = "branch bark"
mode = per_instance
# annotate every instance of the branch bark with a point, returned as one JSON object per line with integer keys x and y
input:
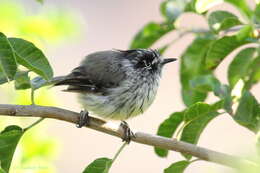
{"x": 115, "y": 130}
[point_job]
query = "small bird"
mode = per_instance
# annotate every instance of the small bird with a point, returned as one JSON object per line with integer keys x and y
{"x": 116, "y": 84}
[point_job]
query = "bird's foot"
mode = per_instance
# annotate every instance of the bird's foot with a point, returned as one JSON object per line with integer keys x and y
{"x": 128, "y": 134}
{"x": 83, "y": 119}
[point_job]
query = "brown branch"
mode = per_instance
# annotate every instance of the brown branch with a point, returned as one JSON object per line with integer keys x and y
{"x": 141, "y": 137}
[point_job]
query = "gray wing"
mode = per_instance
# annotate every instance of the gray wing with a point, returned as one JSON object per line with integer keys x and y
{"x": 96, "y": 72}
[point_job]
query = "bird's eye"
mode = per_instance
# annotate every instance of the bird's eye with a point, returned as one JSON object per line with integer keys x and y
{"x": 144, "y": 64}
{"x": 147, "y": 65}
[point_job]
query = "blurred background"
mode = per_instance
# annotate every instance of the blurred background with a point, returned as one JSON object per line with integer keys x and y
{"x": 69, "y": 30}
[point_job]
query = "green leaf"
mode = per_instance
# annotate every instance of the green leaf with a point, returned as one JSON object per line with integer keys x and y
{"x": 242, "y": 6}
{"x": 30, "y": 56}
{"x": 238, "y": 68}
{"x": 149, "y": 34}
{"x": 224, "y": 92}
{"x": 204, "y": 83}
{"x": 254, "y": 71}
{"x": 101, "y": 165}
{"x": 222, "y": 20}
{"x": 22, "y": 80}
{"x": 1, "y": 170}
{"x": 244, "y": 32}
{"x": 196, "y": 110}
{"x": 9, "y": 139}
{"x": 192, "y": 65}
{"x": 40, "y": 1}
{"x": 167, "y": 128}
{"x": 3, "y": 78}
{"x": 196, "y": 117}
{"x": 220, "y": 48}
{"x": 8, "y": 65}
{"x": 248, "y": 112}
{"x": 162, "y": 49}
{"x": 257, "y": 13}
{"x": 172, "y": 9}
{"x": 202, "y": 6}
{"x": 177, "y": 167}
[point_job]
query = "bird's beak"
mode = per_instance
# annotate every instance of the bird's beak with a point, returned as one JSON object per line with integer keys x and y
{"x": 165, "y": 61}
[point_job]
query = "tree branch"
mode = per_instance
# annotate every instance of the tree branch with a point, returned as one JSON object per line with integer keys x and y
{"x": 115, "y": 130}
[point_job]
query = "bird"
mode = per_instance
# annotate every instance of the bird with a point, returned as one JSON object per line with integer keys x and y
{"x": 116, "y": 84}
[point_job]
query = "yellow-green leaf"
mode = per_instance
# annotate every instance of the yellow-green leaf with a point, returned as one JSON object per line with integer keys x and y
{"x": 101, "y": 165}
{"x": 30, "y": 56}
{"x": 177, "y": 167}
{"x": 8, "y": 65}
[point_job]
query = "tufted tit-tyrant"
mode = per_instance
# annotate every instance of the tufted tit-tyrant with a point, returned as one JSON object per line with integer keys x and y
{"x": 116, "y": 84}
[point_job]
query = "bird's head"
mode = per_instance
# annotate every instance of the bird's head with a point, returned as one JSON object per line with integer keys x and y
{"x": 147, "y": 60}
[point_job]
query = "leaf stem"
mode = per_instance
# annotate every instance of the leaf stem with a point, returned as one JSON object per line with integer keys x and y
{"x": 178, "y": 133}
{"x": 118, "y": 152}
{"x": 34, "y": 124}
{"x": 32, "y": 96}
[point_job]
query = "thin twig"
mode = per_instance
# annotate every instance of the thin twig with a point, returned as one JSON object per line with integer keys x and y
{"x": 140, "y": 137}
{"x": 119, "y": 151}
{"x": 34, "y": 124}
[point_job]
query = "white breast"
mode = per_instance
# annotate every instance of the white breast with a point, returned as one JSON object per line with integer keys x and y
{"x": 126, "y": 101}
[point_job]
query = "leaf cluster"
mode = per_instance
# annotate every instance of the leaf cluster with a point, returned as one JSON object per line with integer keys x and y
{"x": 227, "y": 33}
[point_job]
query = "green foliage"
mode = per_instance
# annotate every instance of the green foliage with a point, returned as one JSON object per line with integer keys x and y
{"x": 177, "y": 167}
{"x": 239, "y": 67}
{"x": 199, "y": 61}
{"x": 2, "y": 171}
{"x": 167, "y": 128}
{"x": 202, "y": 6}
{"x": 204, "y": 83}
{"x": 242, "y": 6}
{"x": 244, "y": 32}
{"x": 192, "y": 65}
{"x": 220, "y": 48}
{"x": 51, "y": 25}
{"x": 22, "y": 80}
{"x": 248, "y": 112}
{"x": 40, "y": 1}
{"x": 254, "y": 72}
{"x": 9, "y": 139}
{"x": 194, "y": 119}
{"x": 16, "y": 51}
{"x": 20, "y": 60}
{"x": 28, "y": 55}
{"x": 257, "y": 13}
{"x": 150, "y": 33}
{"x": 222, "y": 20}
{"x": 8, "y": 64}
{"x": 224, "y": 93}
{"x": 198, "y": 117}
{"x": 172, "y": 9}
{"x": 101, "y": 165}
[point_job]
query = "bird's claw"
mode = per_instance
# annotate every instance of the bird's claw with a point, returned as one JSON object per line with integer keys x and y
{"x": 128, "y": 134}
{"x": 83, "y": 119}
